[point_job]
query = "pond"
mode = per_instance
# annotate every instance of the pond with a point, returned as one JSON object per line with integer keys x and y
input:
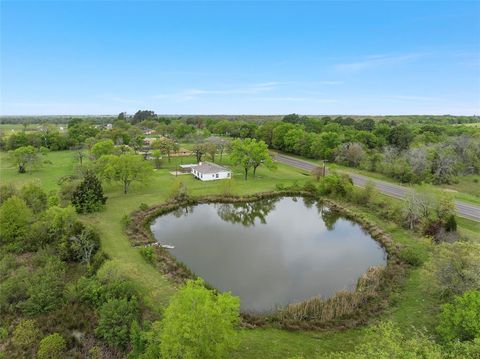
{"x": 271, "y": 252}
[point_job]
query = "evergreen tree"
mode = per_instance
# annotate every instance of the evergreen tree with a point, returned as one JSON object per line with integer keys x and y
{"x": 88, "y": 196}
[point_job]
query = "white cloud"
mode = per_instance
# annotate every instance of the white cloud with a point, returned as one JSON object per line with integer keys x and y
{"x": 297, "y": 99}
{"x": 409, "y": 98}
{"x": 374, "y": 61}
{"x": 190, "y": 94}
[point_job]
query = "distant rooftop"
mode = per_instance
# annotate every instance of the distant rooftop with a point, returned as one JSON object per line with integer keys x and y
{"x": 208, "y": 167}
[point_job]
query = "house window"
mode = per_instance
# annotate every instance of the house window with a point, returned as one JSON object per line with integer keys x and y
{"x": 216, "y": 175}
{"x": 228, "y": 174}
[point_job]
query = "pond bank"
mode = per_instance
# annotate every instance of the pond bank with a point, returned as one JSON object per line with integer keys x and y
{"x": 345, "y": 309}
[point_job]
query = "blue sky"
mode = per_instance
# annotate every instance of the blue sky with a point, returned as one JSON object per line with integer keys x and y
{"x": 240, "y": 57}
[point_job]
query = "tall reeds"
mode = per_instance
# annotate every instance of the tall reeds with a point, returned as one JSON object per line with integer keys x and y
{"x": 341, "y": 305}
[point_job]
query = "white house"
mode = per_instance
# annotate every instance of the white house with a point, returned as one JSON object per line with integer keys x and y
{"x": 207, "y": 171}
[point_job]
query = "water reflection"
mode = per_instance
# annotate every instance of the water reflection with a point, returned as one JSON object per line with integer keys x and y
{"x": 246, "y": 213}
{"x": 283, "y": 251}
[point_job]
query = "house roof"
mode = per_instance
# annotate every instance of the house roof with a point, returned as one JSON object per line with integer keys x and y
{"x": 208, "y": 167}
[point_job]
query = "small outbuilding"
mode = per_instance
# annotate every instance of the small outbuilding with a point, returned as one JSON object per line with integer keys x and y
{"x": 207, "y": 171}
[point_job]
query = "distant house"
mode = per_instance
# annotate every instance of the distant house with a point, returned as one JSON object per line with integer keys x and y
{"x": 207, "y": 171}
{"x": 148, "y": 141}
{"x": 108, "y": 126}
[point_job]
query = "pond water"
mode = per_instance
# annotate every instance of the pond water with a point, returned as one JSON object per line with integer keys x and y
{"x": 272, "y": 252}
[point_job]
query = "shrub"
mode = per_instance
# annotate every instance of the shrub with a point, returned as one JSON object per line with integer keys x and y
{"x": 386, "y": 341}
{"x": 126, "y": 220}
{"x": 147, "y": 253}
{"x": 464, "y": 350}
{"x": 199, "y": 324}
{"x": 35, "y": 197}
{"x": 52, "y": 347}
{"x": 88, "y": 195}
{"x": 336, "y": 185}
{"x": 25, "y": 335}
{"x": 456, "y": 268}
{"x": 179, "y": 192}
{"x": 114, "y": 320}
{"x": 411, "y": 256}
{"x": 13, "y": 289}
{"x": 7, "y": 191}
{"x": 45, "y": 288}
{"x": 15, "y": 218}
{"x": 451, "y": 224}
{"x": 143, "y": 206}
{"x": 309, "y": 187}
{"x": 460, "y": 320}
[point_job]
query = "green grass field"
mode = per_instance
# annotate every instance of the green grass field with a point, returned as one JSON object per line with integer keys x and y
{"x": 7, "y": 129}
{"x": 412, "y": 305}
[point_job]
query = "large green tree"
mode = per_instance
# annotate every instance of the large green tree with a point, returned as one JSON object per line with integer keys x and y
{"x": 166, "y": 146}
{"x": 199, "y": 323}
{"x": 25, "y": 158}
{"x": 102, "y": 148}
{"x": 126, "y": 168}
{"x": 250, "y": 154}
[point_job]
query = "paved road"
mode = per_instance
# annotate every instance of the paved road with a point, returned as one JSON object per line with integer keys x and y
{"x": 466, "y": 210}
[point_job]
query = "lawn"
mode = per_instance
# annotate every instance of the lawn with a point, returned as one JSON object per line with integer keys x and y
{"x": 413, "y": 306}
{"x": 8, "y": 128}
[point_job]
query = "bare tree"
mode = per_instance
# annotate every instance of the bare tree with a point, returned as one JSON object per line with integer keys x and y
{"x": 352, "y": 153}
{"x": 84, "y": 246}
{"x": 318, "y": 172}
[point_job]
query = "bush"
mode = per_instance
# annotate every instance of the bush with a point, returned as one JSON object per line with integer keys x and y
{"x": 34, "y": 197}
{"x": 52, "y": 347}
{"x": 147, "y": 253}
{"x": 88, "y": 195}
{"x": 460, "y": 320}
{"x": 126, "y": 220}
{"x": 456, "y": 268}
{"x": 464, "y": 350}
{"x": 15, "y": 218}
{"x": 45, "y": 288}
{"x": 179, "y": 192}
{"x": 310, "y": 187}
{"x": 25, "y": 335}
{"x": 451, "y": 224}
{"x": 7, "y": 191}
{"x": 143, "y": 206}
{"x": 386, "y": 341}
{"x": 336, "y": 185}
{"x": 13, "y": 289}
{"x": 114, "y": 320}
{"x": 411, "y": 256}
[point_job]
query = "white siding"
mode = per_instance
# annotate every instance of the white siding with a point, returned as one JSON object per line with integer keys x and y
{"x": 212, "y": 176}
